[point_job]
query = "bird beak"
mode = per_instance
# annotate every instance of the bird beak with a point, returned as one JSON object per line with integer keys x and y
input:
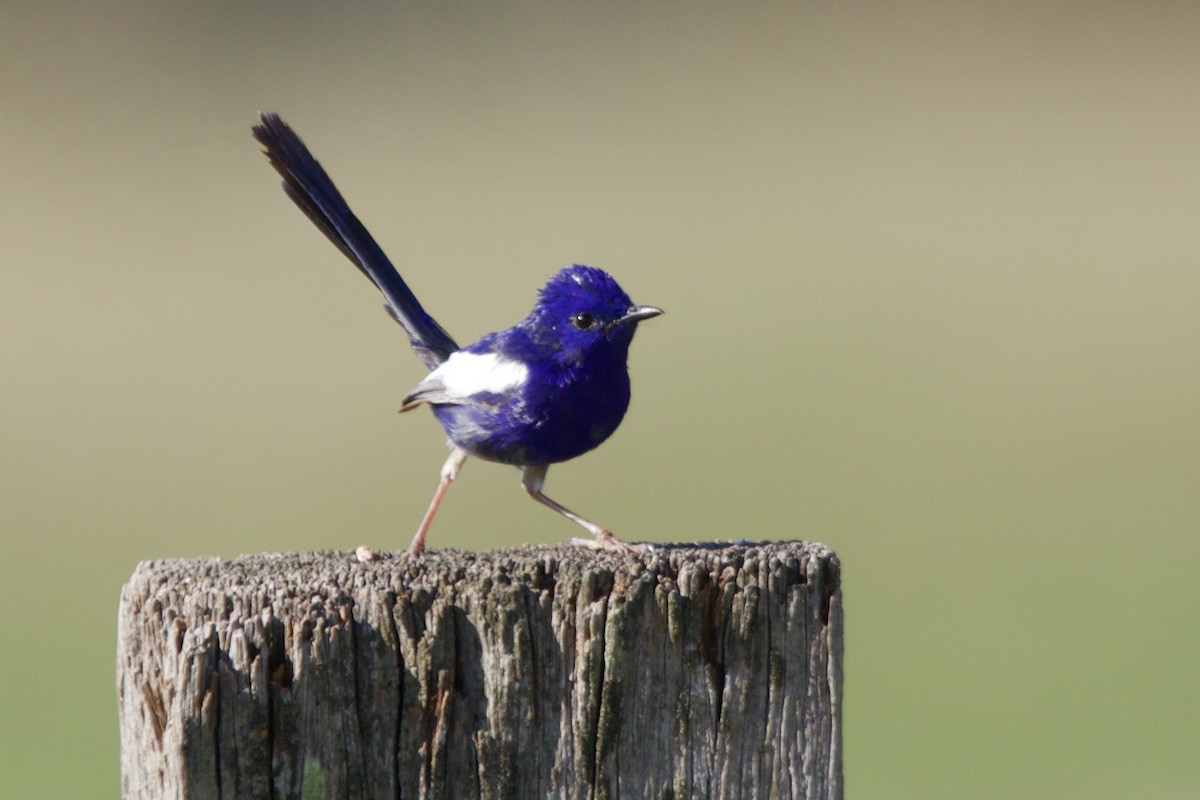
{"x": 637, "y": 314}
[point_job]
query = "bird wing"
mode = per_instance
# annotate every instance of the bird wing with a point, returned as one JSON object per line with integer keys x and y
{"x": 468, "y": 375}
{"x": 430, "y": 390}
{"x": 310, "y": 187}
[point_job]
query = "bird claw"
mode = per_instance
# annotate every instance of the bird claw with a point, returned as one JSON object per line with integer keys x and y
{"x": 366, "y": 555}
{"x": 610, "y": 543}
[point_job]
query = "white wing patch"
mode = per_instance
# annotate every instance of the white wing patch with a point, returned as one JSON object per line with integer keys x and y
{"x": 466, "y": 374}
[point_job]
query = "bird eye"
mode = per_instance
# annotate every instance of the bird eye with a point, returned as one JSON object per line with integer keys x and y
{"x": 583, "y": 321}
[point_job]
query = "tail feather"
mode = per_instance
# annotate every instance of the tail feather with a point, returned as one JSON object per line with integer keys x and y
{"x": 310, "y": 187}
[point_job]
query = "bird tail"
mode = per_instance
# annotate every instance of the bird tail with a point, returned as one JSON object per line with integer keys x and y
{"x": 310, "y": 187}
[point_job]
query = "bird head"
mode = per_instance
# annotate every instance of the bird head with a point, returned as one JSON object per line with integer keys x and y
{"x": 583, "y": 309}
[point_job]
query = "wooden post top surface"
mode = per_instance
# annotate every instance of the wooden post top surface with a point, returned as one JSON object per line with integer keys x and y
{"x": 446, "y": 566}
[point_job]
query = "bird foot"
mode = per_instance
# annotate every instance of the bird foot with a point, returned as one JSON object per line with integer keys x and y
{"x": 606, "y": 541}
{"x": 365, "y": 554}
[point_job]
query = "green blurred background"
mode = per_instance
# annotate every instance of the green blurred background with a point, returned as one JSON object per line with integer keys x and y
{"x": 931, "y": 271}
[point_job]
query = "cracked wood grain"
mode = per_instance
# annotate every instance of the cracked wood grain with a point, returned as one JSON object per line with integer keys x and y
{"x": 690, "y": 671}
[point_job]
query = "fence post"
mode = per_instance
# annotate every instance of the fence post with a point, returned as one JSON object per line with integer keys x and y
{"x": 690, "y": 671}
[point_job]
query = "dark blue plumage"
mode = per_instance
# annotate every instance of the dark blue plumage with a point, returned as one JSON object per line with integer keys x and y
{"x": 548, "y": 389}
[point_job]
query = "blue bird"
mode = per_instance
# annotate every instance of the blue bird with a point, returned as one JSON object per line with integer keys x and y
{"x": 546, "y": 390}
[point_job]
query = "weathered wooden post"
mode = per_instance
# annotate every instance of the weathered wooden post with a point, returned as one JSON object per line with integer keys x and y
{"x": 698, "y": 671}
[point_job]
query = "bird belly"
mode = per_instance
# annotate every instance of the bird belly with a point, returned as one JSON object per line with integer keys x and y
{"x": 523, "y": 431}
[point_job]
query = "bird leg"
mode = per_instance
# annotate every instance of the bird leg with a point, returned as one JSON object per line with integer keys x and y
{"x": 535, "y": 477}
{"x": 450, "y": 469}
